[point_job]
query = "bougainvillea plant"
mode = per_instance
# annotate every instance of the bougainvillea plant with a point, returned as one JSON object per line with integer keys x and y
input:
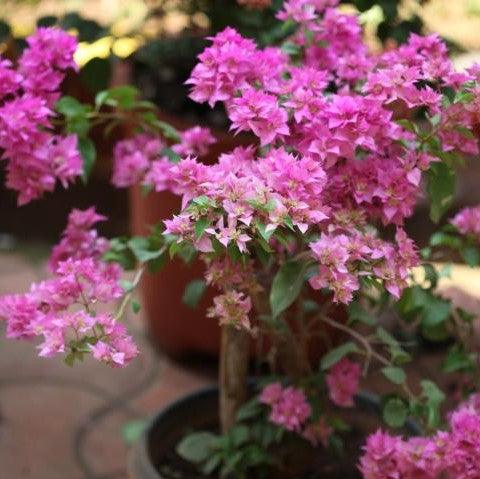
{"x": 302, "y": 233}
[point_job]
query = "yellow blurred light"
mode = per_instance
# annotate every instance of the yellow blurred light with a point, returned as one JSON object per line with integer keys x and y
{"x": 22, "y": 29}
{"x": 175, "y": 22}
{"x": 372, "y": 16}
{"x": 98, "y": 49}
{"x": 201, "y": 20}
{"x": 124, "y": 47}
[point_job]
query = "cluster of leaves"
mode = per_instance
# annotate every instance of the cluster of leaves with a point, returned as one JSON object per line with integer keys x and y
{"x": 243, "y": 448}
{"x": 112, "y": 107}
{"x": 392, "y": 25}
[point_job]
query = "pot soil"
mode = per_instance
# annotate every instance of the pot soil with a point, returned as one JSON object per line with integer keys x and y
{"x": 154, "y": 456}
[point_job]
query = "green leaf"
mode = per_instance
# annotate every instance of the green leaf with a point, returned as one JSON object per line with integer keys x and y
{"x": 436, "y": 311}
{"x": 386, "y": 338}
{"x": 266, "y": 235}
{"x": 194, "y": 292}
{"x": 395, "y": 412}
{"x": 408, "y": 125}
{"x": 133, "y": 430}
{"x": 239, "y": 434}
{"x": 471, "y": 255}
{"x": 397, "y": 353}
{"x": 212, "y": 464}
{"x": 249, "y": 410}
{"x": 69, "y": 106}
{"x": 437, "y": 333}
{"x": 412, "y": 301}
{"x": 89, "y": 155}
{"x": 170, "y": 154}
{"x": 286, "y": 286}
{"x": 335, "y": 355}
{"x": 394, "y": 374}
{"x": 136, "y": 307}
{"x": 356, "y": 312}
{"x": 196, "y": 447}
{"x": 434, "y": 398}
{"x": 441, "y": 188}
{"x": 168, "y": 131}
{"x": 121, "y": 96}
{"x": 458, "y": 360}
{"x": 69, "y": 359}
{"x": 143, "y": 250}
{"x": 121, "y": 254}
{"x": 291, "y": 49}
{"x": 443, "y": 239}
{"x": 200, "y": 226}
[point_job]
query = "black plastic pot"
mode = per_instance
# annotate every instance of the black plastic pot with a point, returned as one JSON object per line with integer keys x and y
{"x": 198, "y": 411}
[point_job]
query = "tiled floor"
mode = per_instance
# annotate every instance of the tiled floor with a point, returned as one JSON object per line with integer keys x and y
{"x": 58, "y": 422}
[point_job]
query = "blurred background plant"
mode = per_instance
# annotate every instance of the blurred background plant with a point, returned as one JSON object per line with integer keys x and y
{"x": 161, "y": 38}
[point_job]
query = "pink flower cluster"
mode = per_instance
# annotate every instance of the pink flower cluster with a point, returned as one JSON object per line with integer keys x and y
{"x": 453, "y": 455}
{"x": 344, "y": 258}
{"x": 467, "y": 221}
{"x": 140, "y": 159}
{"x": 79, "y": 239}
{"x": 289, "y": 406}
{"x": 332, "y": 163}
{"x": 343, "y": 380}
{"x": 61, "y": 310}
{"x": 37, "y": 157}
{"x": 231, "y": 64}
{"x": 232, "y": 308}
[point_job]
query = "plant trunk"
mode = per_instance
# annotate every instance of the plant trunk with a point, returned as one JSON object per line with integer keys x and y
{"x": 292, "y": 360}
{"x": 234, "y": 356}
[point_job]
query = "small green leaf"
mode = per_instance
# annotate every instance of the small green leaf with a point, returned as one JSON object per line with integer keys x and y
{"x": 395, "y": 412}
{"x": 394, "y": 374}
{"x": 170, "y": 154}
{"x": 69, "y": 106}
{"x": 335, "y": 355}
{"x": 89, "y": 155}
{"x": 168, "y": 130}
{"x": 136, "y": 307}
{"x": 291, "y": 49}
{"x": 196, "y": 447}
{"x": 133, "y": 430}
{"x": 121, "y": 96}
{"x": 70, "y": 359}
{"x": 471, "y": 255}
{"x": 286, "y": 286}
{"x": 143, "y": 250}
{"x": 441, "y": 188}
{"x": 212, "y": 464}
{"x": 356, "y": 312}
{"x": 458, "y": 360}
{"x": 200, "y": 226}
{"x": 433, "y": 397}
{"x": 194, "y": 292}
{"x": 249, "y": 410}
{"x": 436, "y": 311}
{"x": 444, "y": 239}
{"x": 239, "y": 434}
{"x": 386, "y": 338}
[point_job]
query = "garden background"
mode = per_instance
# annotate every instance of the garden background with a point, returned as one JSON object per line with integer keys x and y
{"x": 152, "y": 44}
